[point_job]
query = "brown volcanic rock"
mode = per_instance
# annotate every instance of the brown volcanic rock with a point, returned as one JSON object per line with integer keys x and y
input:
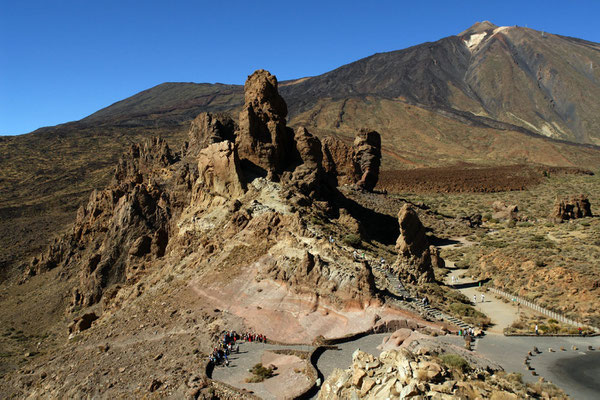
{"x": 119, "y": 227}
{"x": 208, "y": 128}
{"x": 308, "y": 174}
{"x": 219, "y": 169}
{"x": 367, "y": 158}
{"x": 263, "y": 140}
{"x": 338, "y": 161}
{"x": 356, "y": 165}
{"x": 143, "y": 159}
{"x": 314, "y": 276}
{"x": 571, "y": 208}
{"x": 504, "y": 211}
{"x": 415, "y": 257}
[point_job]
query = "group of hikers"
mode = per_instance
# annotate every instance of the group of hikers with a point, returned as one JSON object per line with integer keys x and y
{"x": 229, "y": 343}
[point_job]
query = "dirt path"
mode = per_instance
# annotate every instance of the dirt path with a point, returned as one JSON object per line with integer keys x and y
{"x": 502, "y": 314}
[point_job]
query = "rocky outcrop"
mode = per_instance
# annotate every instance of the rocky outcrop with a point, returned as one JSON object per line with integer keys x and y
{"x": 354, "y": 165}
{"x": 572, "y": 208}
{"x": 401, "y": 374}
{"x": 121, "y": 226}
{"x": 208, "y": 128}
{"x": 503, "y": 211}
{"x": 308, "y": 174}
{"x": 163, "y": 206}
{"x": 367, "y": 158}
{"x": 311, "y": 275}
{"x": 219, "y": 170}
{"x": 338, "y": 161}
{"x": 415, "y": 256}
{"x": 141, "y": 160}
{"x": 263, "y": 139}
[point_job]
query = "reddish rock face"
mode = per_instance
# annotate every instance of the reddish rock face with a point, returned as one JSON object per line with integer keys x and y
{"x": 571, "y": 208}
{"x": 263, "y": 140}
{"x": 414, "y": 262}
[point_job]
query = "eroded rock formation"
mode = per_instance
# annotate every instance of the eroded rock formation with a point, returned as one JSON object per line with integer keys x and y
{"x": 354, "y": 165}
{"x": 219, "y": 170}
{"x": 208, "y": 128}
{"x": 415, "y": 256}
{"x": 572, "y": 208}
{"x": 263, "y": 140}
{"x": 162, "y": 206}
{"x": 367, "y": 158}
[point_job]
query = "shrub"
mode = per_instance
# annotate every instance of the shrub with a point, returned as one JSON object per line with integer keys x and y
{"x": 259, "y": 373}
{"x": 455, "y": 361}
{"x": 352, "y": 240}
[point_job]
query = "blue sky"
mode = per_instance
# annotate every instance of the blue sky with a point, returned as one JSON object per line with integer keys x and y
{"x": 62, "y": 60}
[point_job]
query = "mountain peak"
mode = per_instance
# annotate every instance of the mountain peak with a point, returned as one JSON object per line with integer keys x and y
{"x": 478, "y": 27}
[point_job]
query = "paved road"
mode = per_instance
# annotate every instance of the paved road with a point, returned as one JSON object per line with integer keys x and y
{"x": 510, "y": 352}
{"x": 250, "y": 355}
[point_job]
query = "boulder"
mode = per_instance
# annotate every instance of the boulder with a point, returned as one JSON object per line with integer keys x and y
{"x": 503, "y": 211}
{"x": 82, "y": 323}
{"x": 572, "y": 208}
{"x": 395, "y": 339}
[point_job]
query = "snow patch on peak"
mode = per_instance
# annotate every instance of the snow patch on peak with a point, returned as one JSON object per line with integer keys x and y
{"x": 500, "y": 29}
{"x": 475, "y": 39}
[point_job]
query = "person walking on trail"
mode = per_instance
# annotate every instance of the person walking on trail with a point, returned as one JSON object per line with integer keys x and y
{"x": 452, "y": 280}
{"x": 474, "y": 299}
{"x": 536, "y": 329}
{"x": 482, "y": 297}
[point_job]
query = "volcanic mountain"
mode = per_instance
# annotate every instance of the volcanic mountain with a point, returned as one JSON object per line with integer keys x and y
{"x": 487, "y": 96}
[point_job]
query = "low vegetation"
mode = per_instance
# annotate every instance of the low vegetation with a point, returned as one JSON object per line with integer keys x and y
{"x": 259, "y": 373}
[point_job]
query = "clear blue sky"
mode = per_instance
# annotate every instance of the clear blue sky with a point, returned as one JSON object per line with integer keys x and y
{"x": 63, "y": 60}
